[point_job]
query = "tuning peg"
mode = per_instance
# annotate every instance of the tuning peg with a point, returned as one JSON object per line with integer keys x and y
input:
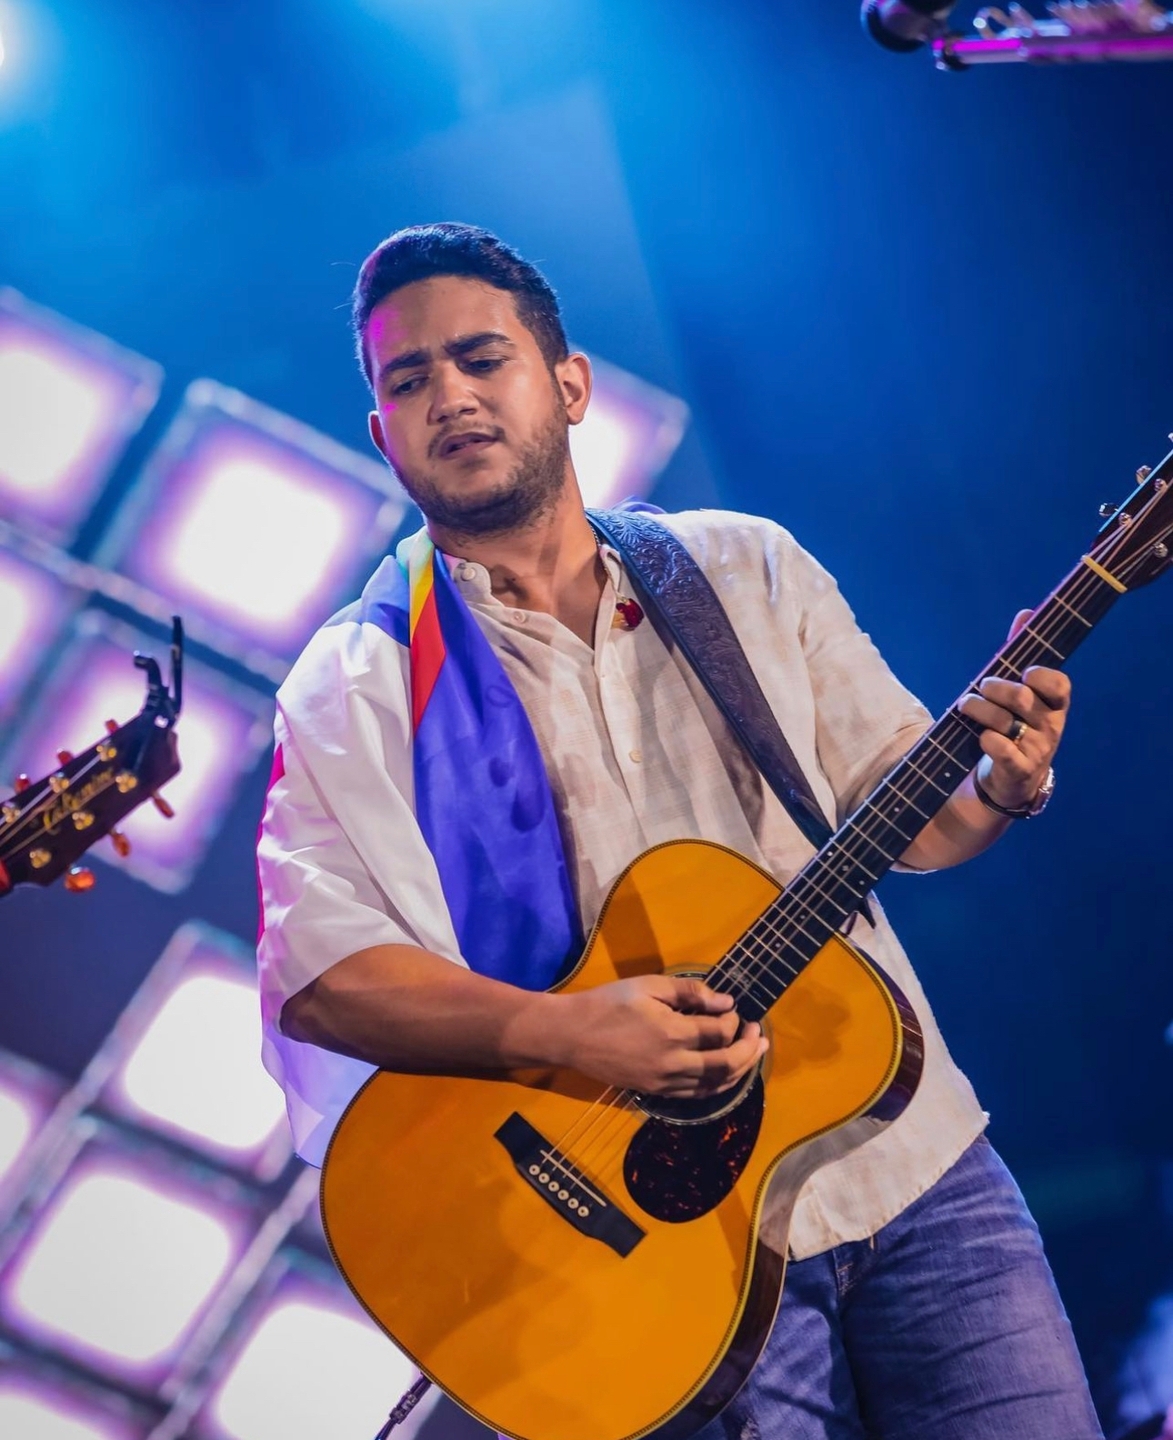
{"x": 163, "y": 807}
{"x": 64, "y": 757}
{"x": 111, "y": 726}
{"x": 1142, "y": 474}
{"x": 21, "y": 784}
{"x": 121, "y": 843}
{"x": 1107, "y": 510}
{"x": 78, "y": 879}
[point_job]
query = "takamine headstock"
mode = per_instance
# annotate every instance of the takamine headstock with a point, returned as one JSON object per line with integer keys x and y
{"x": 47, "y": 825}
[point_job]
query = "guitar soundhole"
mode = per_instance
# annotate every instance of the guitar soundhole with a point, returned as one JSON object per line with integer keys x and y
{"x": 680, "y": 1168}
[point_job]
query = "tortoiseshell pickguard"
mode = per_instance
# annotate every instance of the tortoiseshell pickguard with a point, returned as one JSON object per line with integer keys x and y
{"x": 678, "y": 1172}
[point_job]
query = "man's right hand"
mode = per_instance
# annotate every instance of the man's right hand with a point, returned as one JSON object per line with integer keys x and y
{"x": 406, "y": 1009}
{"x": 659, "y": 1034}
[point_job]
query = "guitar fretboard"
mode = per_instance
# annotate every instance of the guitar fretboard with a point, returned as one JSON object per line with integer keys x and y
{"x": 834, "y": 883}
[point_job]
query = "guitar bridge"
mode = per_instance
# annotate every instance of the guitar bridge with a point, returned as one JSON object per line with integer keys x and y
{"x": 547, "y": 1171}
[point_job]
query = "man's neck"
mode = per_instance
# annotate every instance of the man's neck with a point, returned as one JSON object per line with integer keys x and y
{"x": 551, "y": 565}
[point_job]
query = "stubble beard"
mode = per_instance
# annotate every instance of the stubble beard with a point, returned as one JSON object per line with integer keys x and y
{"x": 527, "y": 494}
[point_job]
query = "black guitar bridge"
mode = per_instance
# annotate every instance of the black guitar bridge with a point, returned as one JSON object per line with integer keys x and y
{"x": 546, "y": 1170}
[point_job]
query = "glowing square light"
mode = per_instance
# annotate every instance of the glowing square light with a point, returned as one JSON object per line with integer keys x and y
{"x": 629, "y": 433}
{"x": 232, "y": 1105}
{"x": 33, "y": 605}
{"x": 358, "y": 1374}
{"x": 119, "y": 1266}
{"x": 18, "y": 1116}
{"x": 70, "y": 400}
{"x": 27, "y": 1095}
{"x": 252, "y": 521}
{"x": 32, "y": 1410}
{"x": 221, "y": 732}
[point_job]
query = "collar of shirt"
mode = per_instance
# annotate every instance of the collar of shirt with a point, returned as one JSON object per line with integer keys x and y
{"x": 473, "y": 582}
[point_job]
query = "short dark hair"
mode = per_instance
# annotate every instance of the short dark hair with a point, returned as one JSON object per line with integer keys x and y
{"x": 420, "y": 252}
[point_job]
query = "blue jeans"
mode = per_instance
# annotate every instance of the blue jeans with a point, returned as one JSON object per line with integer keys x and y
{"x": 945, "y": 1326}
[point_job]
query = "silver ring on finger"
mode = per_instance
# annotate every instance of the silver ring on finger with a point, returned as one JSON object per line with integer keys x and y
{"x": 1018, "y": 728}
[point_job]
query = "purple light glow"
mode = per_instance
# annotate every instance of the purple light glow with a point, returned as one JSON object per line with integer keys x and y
{"x": 253, "y": 522}
{"x": 69, "y": 402}
{"x": 27, "y": 1095}
{"x": 121, "y": 1263}
{"x": 308, "y": 1328}
{"x": 630, "y": 432}
{"x": 200, "y": 1000}
{"x": 18, "y": 1123}
{"x": 35, "y": 1409}
{"x": 221, "y": 732}
{"x": 33, "y": 605}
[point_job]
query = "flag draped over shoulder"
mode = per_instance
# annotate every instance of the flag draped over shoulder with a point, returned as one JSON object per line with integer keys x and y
{"x": 482, "y": 796}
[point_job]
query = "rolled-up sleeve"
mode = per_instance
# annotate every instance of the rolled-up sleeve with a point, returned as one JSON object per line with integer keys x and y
{"x": 342, "y": 864}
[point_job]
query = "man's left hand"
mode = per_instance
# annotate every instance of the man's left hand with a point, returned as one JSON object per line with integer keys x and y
{"x": 1024, "y": 723}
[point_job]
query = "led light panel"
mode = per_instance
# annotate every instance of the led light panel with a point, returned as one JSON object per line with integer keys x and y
{"x": 308, "y": 1331}
{"x": 18, "y": 1118}
{"x": 254, "y": 522}
{"x": 627, "y": 436}
{"x": 70, "y": 401}
{"x": 27, "y": 1095}
{"x": 33, "y": 604}
{"x": 37, "y": 1410}
{"x": 186, "y": 1056}
{"x": 120, "y": 1264}
{"x": 221, "y": 732}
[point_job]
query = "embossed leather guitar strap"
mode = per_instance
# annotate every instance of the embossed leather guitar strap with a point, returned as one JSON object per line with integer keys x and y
{"x": 678, "y": 593}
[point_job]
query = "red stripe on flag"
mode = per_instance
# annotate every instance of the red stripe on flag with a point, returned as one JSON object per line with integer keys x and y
{"x": 427, "y": 656}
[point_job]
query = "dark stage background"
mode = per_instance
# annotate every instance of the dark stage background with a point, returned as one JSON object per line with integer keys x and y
{"x": 923, "y": 320}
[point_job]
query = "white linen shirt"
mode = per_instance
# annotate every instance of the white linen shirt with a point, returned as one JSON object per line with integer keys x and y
{"x": 636, "y": 753}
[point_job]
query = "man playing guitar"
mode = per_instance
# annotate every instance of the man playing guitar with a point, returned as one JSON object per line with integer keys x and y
{"x": 918, "y": 1304}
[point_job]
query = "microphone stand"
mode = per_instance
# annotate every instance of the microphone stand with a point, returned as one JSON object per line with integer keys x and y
{"x": 1075, "y": 34}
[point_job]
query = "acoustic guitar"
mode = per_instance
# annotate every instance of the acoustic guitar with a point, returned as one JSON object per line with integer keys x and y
{"x": 574, "y": 1263}
{"x": 48, "y": 824}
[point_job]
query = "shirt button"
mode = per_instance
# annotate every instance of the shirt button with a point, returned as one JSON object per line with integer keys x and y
{"x": 519, "y": 616}
{"x": 636, "y": 755}
{"x": 465, "y": 572}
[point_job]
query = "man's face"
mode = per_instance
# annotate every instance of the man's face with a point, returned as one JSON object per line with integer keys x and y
{"x": 467, "y": 410}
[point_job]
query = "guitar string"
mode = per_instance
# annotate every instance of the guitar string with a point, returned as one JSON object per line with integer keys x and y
{"x": 1088, "y": 584}
{"x": 1002, "y": 659}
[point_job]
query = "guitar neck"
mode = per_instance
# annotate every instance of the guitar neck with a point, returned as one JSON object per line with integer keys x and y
{"x": 834, "y": 883}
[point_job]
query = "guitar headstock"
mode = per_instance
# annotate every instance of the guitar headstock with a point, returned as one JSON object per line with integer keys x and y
{"x": 47, "y": 825}
{"x": 1135, "y": 543}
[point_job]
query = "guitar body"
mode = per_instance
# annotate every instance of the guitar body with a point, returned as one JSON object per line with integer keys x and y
{"x": 568, "y": 1270}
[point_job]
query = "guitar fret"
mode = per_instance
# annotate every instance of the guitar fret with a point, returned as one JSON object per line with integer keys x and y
{"x": 1059, "y": 655}
{"x": 1071, "y": 610}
